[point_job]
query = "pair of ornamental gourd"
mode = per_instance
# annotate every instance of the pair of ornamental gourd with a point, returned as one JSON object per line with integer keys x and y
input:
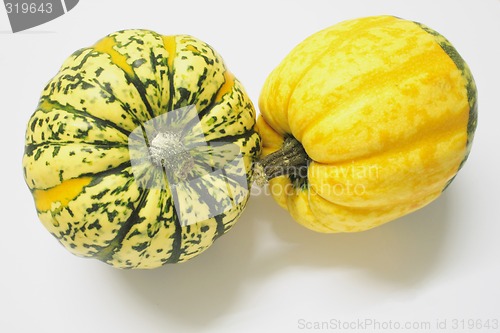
{"x": 143, "y": 147}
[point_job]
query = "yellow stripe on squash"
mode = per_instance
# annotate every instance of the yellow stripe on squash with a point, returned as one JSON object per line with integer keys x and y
{"x": 170, "y": 45}
{"x": 106, "y": 45}
{"x": 226, "y": 87}
{"x": 62, "y": 193}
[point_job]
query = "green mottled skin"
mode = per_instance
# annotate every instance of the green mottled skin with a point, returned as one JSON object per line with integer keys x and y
{"x": 80, "y": 129}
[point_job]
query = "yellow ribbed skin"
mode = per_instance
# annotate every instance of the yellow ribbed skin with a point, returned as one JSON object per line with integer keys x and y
{"x": 385, "y": 109}
{"x": 77, "y": 160}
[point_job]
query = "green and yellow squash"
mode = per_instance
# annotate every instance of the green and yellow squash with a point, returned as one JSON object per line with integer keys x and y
{"x": 101, "y": 145}
{"x": 364, "y": 122}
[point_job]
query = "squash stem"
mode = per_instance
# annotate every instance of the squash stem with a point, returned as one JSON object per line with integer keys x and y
{"x": 291, "y": 160}
{"x": 168, "y": 152}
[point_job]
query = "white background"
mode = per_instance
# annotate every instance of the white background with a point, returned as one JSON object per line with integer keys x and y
{"x": 268, "y": 274}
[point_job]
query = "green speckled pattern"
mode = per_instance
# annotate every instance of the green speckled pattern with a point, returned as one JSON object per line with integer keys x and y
{"x": 77, "y": 161}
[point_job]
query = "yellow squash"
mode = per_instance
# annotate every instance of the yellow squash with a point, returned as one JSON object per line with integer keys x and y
{"x": 364, "y": 122}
